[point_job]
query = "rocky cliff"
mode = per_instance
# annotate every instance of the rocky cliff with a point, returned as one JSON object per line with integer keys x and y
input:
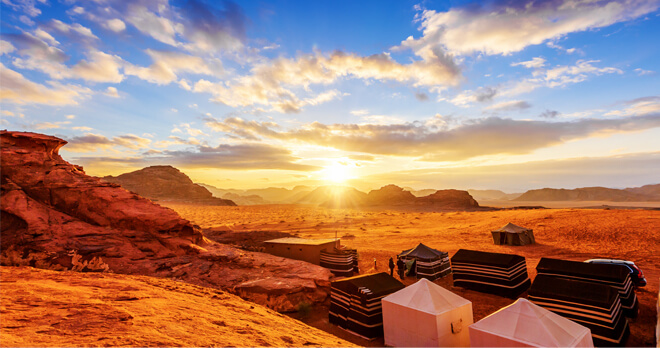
{"x": 166, "y": 183}
{"x": 55, "y": 216}
{"x": 449, "y": 199}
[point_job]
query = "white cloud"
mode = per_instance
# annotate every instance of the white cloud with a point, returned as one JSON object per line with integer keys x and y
{"x": 102, "y": 67}
{"x": 76, "y": 28}
{"x": 6, "y": 47}
{"x": 638, "y": 107}
{"x": 17, "y": 89}
{"x": 26, "y": 20}
{"x": 70, "y": 117}
{"x": 112, "y": 92}
{"x": 167, "y": 65}
{"x": 115, "y": 24}
{"x": 642, "y": 72}
{"x": 360, "y": 112}
{"x": 508, "y": 28}
{"x": 150, "y": 23}
{"x": 535, "y": 63}
{"x": 509, "y": 106}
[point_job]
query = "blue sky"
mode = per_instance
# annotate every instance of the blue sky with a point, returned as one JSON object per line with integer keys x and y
{"x": 509, "y": 95}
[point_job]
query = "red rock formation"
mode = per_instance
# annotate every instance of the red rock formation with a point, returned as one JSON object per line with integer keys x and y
{"x": 55, "y": 216}
{"x": 449, "y": 199}
{"x": 390, "y": 195}
{"x": 166, "y": 183}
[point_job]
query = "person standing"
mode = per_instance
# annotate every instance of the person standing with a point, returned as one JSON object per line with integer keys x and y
{"x": 391, "y": 264}
{"x": 401, "y": 266}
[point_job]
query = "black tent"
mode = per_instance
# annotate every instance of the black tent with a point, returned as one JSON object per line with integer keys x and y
{"x": 593, "y": 305}
{"x": 607, "y": 274}
{"x": 499, "y": 274}
{"x": 341, "y": 262}
{"x": 355, "y": 303}
{"x": 430, "y": 263}
{"x": 512, "y": 234}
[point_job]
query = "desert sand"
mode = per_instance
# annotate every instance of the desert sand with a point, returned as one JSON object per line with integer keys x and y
{"x": 572, "y": 234}
{"x": 42, "y": 308}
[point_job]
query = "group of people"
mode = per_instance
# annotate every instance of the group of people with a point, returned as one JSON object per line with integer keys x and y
{"x": 400, "y": 266}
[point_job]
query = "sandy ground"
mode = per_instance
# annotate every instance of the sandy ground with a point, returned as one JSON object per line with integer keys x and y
{"x": 572, "y": 234}
{"x": 42, "y": 308}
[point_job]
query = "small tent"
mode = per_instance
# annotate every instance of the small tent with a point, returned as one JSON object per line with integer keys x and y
{"x": 430, "y": 263}
{"x": 513, "y": 235}
{"x": 523, "y": 323}
{"x": 493, "y": 273}
{"x": 607, "y": 274}
{"x": 355, "y": 303}
{"x": 426, "y": 315}
{"x": 593, "y": 305}
{"x": 341, "y": 262}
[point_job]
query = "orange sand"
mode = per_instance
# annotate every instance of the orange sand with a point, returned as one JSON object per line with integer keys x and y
{"x": 573, "y": 234}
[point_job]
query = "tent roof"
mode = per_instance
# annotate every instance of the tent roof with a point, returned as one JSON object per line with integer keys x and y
{"x": 378, "y": 283}
{"x": 526, "y": 322}
{"x": 301, "y": 241}
{"x": 511, "y": 228}
{"x": 427, "y": 296}
{"x": 486, "y": 258}
{"x": 423, "y": 252}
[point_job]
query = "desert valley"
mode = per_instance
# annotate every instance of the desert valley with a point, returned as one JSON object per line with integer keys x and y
{"x": 101, "y": 247}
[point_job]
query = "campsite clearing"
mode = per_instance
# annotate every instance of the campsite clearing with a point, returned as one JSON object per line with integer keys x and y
{"x": 570, "y": 234}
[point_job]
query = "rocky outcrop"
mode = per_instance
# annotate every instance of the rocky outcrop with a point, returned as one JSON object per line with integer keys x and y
{"x": 166, "y": 183}
{"x": 390, "y": 195}
{"x": 449, "y": 199}
{"x": 55, "y": 216}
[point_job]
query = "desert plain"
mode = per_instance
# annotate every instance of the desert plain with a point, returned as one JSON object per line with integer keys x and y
{"x": 378, "y": 234}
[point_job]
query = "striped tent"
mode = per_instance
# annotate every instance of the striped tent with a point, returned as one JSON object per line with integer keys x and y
{"x": 494, "y": 273}
{"x": 607, "y": 274}
{"x": 355, "y": 303}
{"x": 596, "y": 306}
{"x": 339, "y": 261}
{"x": 430, "y": 263}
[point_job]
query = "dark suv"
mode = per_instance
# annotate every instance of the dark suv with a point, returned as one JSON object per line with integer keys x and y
{"x": 636, "y": 273}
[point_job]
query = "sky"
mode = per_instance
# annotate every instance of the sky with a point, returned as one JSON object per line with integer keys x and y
{"x": 510, "y": 95}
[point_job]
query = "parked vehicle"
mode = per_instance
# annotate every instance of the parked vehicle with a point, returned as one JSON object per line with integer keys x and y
{"x": 636, "y": 273}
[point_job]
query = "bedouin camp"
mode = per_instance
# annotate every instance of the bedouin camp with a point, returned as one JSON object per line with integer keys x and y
{"x": 494, "y": 273}
{"x": 341, "y": 262}
{"x": 426, "y": 315}
{"x": 593, "y": 305}
{"x": 606, "y": 274}
{"x": 523, "y": 323}
{"x": 429, "y": 263}
{"x": 511, "y": 234}
{"x": 355, "y": 303}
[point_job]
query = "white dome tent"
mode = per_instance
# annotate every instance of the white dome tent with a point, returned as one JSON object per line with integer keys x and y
{"x": 524, "y": 324}
{"x": 426, "y": 315}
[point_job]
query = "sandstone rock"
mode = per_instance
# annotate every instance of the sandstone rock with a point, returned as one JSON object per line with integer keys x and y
{"x": 390, "y": 195}
{"x": 449, "y": 199}
{"x": 166, "y": 183}
{"x": 55, "y": 216}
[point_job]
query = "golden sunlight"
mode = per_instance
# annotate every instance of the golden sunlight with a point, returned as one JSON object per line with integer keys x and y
{"x": 337, "y": 172}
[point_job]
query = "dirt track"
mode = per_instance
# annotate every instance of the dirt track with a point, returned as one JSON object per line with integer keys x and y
{"x": 572, "y": 234}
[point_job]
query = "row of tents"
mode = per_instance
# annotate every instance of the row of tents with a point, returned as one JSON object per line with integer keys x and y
{"x": 599, "y": 297}
{"x": 426, "y": 262}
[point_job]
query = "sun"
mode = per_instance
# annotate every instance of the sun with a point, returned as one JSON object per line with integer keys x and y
{"x": 337, "y": 172}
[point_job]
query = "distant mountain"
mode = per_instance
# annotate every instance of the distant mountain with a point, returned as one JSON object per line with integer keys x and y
{"x": 392, "y": 196}
{"x": 487, "y": 195}
{"x": 237, "y": 196}
{"x": 449, "y": 199}
{"x": 588, "y": 194}
{"x": 649, "y": 190}
{"x": 165, "y": 183}
{"x": 279, "y": 194}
